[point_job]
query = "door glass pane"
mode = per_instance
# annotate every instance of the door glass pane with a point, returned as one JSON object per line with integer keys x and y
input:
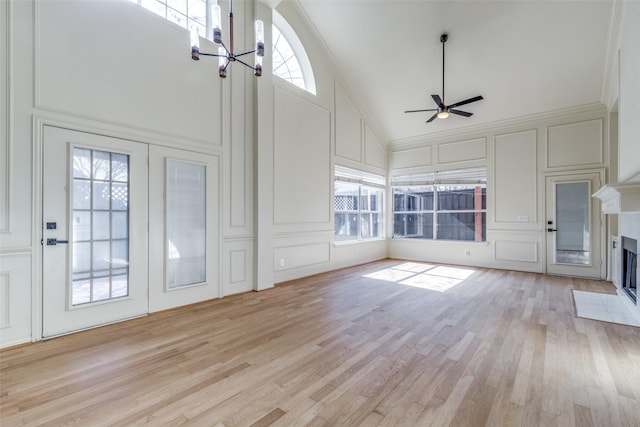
{"x": 185, "y": 224}
{"x": 572, "y": 223}
{"x": 100, "y": 255}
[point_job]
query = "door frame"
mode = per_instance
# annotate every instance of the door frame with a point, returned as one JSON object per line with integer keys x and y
{"x": 597, "y": 210}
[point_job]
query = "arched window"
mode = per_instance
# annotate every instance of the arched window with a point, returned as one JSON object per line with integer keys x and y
{"x": 290, "y": 61}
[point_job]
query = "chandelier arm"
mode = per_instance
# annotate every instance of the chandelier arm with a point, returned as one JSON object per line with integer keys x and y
{"x": 245, "y": 53}
{"x": 225, "y": 48}
{"x": 244, "y": 63}
{"x": 213, "y": 54}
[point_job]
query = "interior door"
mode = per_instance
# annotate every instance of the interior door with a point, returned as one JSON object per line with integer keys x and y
{"x": 94, "y": 231}
{"x": 574, "y": 225}
{"x": 184, "y": 227}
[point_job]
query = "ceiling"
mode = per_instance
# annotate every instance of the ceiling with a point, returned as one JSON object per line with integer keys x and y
{"x": 524, "y": 57}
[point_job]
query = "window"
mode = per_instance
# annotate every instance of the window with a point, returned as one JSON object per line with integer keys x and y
{"x": 100, "y": 227}
{"x": 358, "y": 201}
{"x": 448, "y": 205}
{"x": 290, "y": 61}
{"x": 185, "y": 13}
{"x": 185, "y": 223}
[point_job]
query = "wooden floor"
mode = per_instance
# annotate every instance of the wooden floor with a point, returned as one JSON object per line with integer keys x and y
{"x": 389, "y": 343}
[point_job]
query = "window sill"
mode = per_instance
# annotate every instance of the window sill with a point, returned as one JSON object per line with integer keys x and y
{"x": 355, "y": 242}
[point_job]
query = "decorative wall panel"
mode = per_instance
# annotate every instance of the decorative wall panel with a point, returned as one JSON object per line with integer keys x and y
{"x": 506, "y": 250}
{"x": 454, "y": 152}
{"x": 374, "y": 151}
{"x": 515, "y": 178}
{"x": 302, "y": 159}
{"x": 348, "y": 128}
{"x": 295, "y": 256}
{"x": 411, "y": 158}
{"x": 575, "y": 144}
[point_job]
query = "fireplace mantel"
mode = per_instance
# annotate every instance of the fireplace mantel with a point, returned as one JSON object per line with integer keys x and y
{"x": 619, "y": 198}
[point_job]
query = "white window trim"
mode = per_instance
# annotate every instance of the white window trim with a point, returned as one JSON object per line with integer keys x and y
{"x": 298, "y": 49}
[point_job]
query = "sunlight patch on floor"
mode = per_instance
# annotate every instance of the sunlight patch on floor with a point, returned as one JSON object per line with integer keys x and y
{"x": 424, "y": 276}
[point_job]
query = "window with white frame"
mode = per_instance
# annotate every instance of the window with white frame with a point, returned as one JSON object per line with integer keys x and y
{"x": 290, "y": 60}
{"x": 446, "y": 205}
{"x": 185, "y": 13}
{"x": 358, "y": 205}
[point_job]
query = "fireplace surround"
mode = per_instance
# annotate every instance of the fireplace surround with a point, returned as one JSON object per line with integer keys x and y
{"x": 630, "y": 267}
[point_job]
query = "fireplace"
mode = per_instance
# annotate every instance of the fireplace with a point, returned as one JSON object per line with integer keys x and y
{"x": 630, "y": 267}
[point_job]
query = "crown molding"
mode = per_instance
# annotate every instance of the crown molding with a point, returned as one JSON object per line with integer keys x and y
{"x": 500, "y": 125}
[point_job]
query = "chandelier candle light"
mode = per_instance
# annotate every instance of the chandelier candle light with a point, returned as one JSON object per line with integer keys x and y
{"x": 226, "y": 55}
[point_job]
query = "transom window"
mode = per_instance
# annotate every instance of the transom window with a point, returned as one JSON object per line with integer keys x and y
{"x": 285, "y": 62}
{"x": 290, "y": 60}
{"x": 449, "y": 205}
{"x": 185, "y": 13}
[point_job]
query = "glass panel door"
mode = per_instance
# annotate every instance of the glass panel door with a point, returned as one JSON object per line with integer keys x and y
{"x": 184, "y": 229}
{"x": 574, "y": 225}
{"x": 94, "y": 232}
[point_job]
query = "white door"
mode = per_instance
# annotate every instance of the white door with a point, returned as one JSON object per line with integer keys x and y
{"x": 184, "y": 227}
{"x": 574, "y": 225}
{"x": 94, "y": 231}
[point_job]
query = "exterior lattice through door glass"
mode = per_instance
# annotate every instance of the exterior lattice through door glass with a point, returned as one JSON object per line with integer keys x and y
{"x": 100, "y": 226}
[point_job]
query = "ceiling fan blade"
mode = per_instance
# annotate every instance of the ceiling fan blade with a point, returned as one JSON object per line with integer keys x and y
{"x": 460, "y": 113}
{"x": 437, "y": 99}
{"x": 432, "y": 118}
{"x": 419, "y": 111}
{"x": 466, "y": 101}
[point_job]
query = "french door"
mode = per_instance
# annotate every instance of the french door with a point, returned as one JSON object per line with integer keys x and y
{"x": 574, "y": 225}
{"x": 184, "y": 227}
{"x": 94, "y": 237}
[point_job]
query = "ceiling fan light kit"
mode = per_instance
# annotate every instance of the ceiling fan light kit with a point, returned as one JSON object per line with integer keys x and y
{"x": 443, "y": 111}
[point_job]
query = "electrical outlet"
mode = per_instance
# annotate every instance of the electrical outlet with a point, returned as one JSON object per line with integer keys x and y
{"x": 281, "y": 262}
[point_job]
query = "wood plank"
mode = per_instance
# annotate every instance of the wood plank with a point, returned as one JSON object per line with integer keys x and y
{"x": 348, "y": 347}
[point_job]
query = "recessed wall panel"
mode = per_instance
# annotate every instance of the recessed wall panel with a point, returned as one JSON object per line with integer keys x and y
{"x": 302, "y": 172}
{"x": 374, "y": 150}
{"x": 296, "y": 256}
{"x": 575, "y": 144}
{"x": 15, "y": 299}
{"x": 348, "y": 128}
{"x": 507, "y": 250}
{"x": 237, "y": 266}
{"x": 461, "y": 151}
{"x": 515, "y": 195}
{"x": 411, "y": 158}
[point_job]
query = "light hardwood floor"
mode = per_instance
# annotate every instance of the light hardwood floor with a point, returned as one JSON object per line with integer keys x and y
{"x": 389, "y": 343}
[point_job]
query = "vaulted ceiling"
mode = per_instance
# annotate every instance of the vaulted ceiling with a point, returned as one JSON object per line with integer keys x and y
{"x": 524, "y": 57}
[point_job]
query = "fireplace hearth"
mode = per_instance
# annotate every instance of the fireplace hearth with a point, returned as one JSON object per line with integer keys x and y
{"x": 630, "y": 267}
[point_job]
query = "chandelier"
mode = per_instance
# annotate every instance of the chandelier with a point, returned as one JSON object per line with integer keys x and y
{"x": 225, "y": 54}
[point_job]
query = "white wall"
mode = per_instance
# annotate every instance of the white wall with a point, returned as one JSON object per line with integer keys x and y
{"x": 311, "y": 134}
{"x": 113, "y": 68}
{"x": 517, "y": 153}
{"x": 116, "y": 69}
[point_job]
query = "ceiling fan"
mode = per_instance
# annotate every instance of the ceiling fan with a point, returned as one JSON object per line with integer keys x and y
{"x": 443, "y": 110}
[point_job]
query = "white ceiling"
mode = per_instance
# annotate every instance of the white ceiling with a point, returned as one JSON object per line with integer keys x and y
{"x": 523, "y": 57}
